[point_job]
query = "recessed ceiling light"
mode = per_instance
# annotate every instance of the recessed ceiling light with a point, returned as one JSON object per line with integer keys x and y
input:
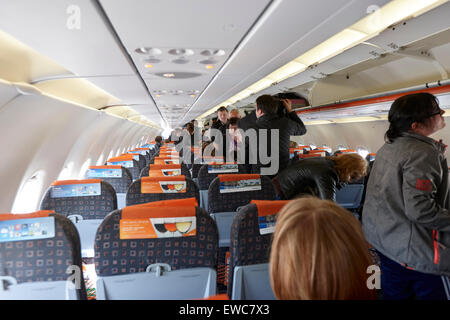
{"x": 193, "y": 95}
{"x": 180, "y": 51}
{"x": 178, "y": 75}
{"x": 209, "y": 66}
{"x": 180, "y": 61}
{"x": 148, "y": 65}
{"x": 208, "y": 61}
{"x": 151, "y": 60}
{"x": 147, "y": 50}
{"x": 212, "y": 52}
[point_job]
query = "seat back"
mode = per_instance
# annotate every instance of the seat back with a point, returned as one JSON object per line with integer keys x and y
{"x": 138, "y": 157}
{"x": 250, "y": 240}
{"x": 145, "y": 152}
{"x": 350, "y": 195}
{"x": 150, "y": 189}
{"x": 166, "y": 169}
{"x": 228, "y": 192}
{"x": 38, "y": 254}
{"x": 128, "y": 161}
{"x": 208, "y": 172}
{"x": 85, "y": 202}
{"x": 118, "y": 177}
{"x": 89, "y": 198}
{"x": 175, "y": 238}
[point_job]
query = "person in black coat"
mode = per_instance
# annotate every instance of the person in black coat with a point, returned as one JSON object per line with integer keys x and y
{"x": 268, "y": 118}
{"x": 320, "y": 177}
{"x": 248, "y": 121}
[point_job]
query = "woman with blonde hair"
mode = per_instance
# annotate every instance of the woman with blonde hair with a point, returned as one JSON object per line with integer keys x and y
{"x": 320, "y": 177}
{"x": 319, "y": 253}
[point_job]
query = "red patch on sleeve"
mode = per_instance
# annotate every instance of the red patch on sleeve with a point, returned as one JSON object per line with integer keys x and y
{"x": 423, "y": 184}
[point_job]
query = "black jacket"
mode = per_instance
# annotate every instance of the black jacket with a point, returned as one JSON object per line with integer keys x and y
{"x": 220, "y": 126}
{"x": 289, "y": 125}
{"x": 248, "y": 121}
{"x": 316, "y": 176}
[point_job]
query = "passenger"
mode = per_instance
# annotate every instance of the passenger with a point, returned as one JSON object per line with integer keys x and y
{"x": 319, "y": 253}
{"x": 320, "y": 177}
{"x": 234, "y": 140}
{"x": 267, "y": 113}
{"x": 222, "y": 122}
{"x": 248, "y": 121}
{"x": 159, "y": 142}
{"x": 195, "y": 138}
{"x": 293, "y": 144}
{"x": 234, "y": 113}
{"x": 405, "y": 216}
{"x": 177, "y": 136}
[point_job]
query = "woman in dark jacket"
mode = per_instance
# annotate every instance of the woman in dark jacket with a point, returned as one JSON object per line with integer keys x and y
{"x": 320, "y": 177}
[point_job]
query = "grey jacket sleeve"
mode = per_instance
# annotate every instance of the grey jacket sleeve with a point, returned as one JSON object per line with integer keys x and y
{"x": 421, "y": 180}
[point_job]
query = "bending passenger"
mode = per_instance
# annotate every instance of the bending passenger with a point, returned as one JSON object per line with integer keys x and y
{"x": 319, "y": 252}
{"x": 405, "y": 215}
{"x": 320, "y": 177}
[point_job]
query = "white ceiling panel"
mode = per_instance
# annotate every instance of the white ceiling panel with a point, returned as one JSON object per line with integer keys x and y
{"x": 290, "y": 29}
{"x": 51, "y": 28}
{"x": 190, "y": 40}
{"x": 129, "y": 89}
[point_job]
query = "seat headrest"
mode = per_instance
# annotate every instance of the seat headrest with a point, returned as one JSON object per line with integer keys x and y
{"x": 105, "y": 167}
{"x": 163, "y": 184}
{"x": 269, "y": 207}
{"x": 165, "y": 166}
{"x": 187, "y": 202}
{"x": 238, "y": 177}
{"x": 16, "y": 216}
{"x": 75, "y": 188}
{"x": 223, "y": 167}
{"x": 71, "y": 182}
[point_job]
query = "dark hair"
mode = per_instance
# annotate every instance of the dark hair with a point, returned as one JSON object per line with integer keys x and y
{"x": 221, "y": 109}
{"x": 158, "y": 139}
{"x": 267, "y": 104}
{"x": 190, "y": 128}
{"x": 233, "y": 121}
{"x": 406, "y": 110}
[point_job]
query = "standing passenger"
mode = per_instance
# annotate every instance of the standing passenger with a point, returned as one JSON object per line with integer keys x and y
{"x": 405, "y": 215}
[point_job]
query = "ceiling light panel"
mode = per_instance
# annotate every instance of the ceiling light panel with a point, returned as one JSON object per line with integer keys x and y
{"x": 200, "y": 40}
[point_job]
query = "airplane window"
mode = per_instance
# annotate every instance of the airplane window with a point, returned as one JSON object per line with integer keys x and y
{"x": 101, "y": 160}
{"x": 66, "y": 172}
{"x": 111, "y": 154}
{"x": 84, "y": 168}
{"x": 28, "y": 198}
{"x": 362, "y": 151}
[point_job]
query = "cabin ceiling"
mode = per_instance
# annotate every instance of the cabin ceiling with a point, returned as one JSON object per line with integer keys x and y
{"x": 196, "y": 54}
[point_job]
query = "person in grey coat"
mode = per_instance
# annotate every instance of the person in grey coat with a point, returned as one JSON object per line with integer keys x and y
{"x": 406, "y": 216}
